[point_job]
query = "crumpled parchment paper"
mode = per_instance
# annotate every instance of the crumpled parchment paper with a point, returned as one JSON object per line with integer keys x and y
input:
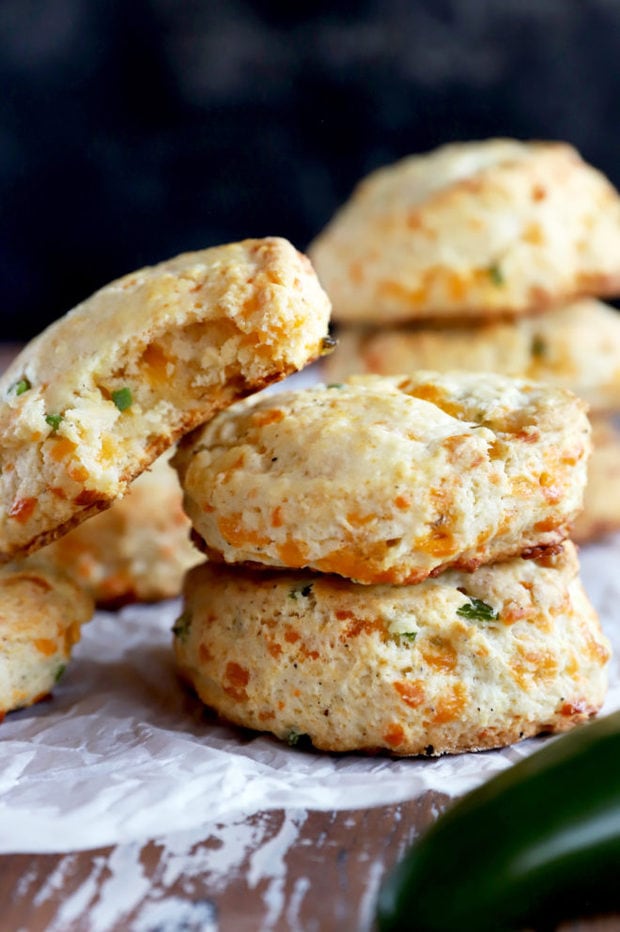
{"x": 123, "y": 753}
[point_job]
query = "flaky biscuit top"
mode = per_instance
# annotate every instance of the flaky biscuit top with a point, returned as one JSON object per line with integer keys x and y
{"x": 388, "y": 479}
{"x": 472, "y": 230}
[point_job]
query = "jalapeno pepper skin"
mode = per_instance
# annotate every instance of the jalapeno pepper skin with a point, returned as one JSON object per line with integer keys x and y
{"x": 536, "y": 844}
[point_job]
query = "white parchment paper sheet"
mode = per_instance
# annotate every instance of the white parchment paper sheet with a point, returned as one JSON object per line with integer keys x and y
{"x": 123, "y": 753}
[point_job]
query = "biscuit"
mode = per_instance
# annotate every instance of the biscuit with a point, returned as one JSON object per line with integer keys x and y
{"x": 41, "y": 612}
{"x": 136, "y": 551}
{"x": 459, "y": 663}
{"x": 388, "y": 480}
{"x": 472, "y": 229}
{"x": 576, "y": 346}
{"x": 93, "y": 400}
{"x": 601, "y": 507}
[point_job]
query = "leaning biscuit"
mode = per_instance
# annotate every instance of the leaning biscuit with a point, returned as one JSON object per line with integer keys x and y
{"x": 472, "y": 229}
{"x": 102, "y": 392}
{"x": 459, "y": 663}
{"x": 388, "y": 479}
{"x": 601, "y": 504}
{"x": 136, "y": 551}
{"x": 576, "y": 346}
{"x": 41, "y": 612}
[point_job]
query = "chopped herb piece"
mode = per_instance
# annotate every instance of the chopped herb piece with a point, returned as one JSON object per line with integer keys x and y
{"x": 496, "y": 275}
{"x": 294, "y": 737}
{"x": 305, "y": 591}
{"x": 335, "y": 385}
{"x": 477, "y": 610}
{"x": 20, "y": 387}
{"x": 408, "y": 635}
{"x": 181, "y": 627}
{"x": 54, "y": 421}
{"x": 122, "y": 398}
{"x": 539, "y": 346}
{"x": 327, "y": 345}
{"x": 59, "y": 672}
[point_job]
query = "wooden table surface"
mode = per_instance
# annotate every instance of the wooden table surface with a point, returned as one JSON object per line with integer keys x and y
{"x": 311, "y": 871}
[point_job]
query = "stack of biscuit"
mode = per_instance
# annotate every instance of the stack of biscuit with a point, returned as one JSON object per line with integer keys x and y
{"x": 388, "y": 564}
{"x": 90, "y": 404}
{"x": 489, "y": 257}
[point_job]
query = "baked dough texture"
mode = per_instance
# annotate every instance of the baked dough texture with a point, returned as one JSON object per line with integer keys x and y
{"x": 458, "y": 663}
{"x": 601, "y": 504}
{"x": 576, "y": 346}
{"x": 472, "y": 229}
{"x": 136, "y": 551}
{"x": 93, "y": 400}
{"x": 41, "y": 612}
{"x": 388, "y": 480}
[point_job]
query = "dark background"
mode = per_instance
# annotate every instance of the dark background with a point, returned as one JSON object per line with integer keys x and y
{"x": 131, "y": 130}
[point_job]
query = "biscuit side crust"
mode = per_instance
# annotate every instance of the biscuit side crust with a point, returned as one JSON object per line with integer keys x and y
{"x": 576, "y": 346}
{"x": 460, "y": 663}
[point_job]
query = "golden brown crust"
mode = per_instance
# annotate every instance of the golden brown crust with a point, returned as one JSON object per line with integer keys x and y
{"x": 91, "y": 402}
{"x": 482, "y": 228}
{"x": 463, "y": 662}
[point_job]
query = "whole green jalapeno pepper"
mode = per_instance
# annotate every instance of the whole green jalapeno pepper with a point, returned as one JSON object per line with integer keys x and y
{"x": 536, "y": 844}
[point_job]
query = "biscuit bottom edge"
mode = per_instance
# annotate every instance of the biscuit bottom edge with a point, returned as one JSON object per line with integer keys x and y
{"x": 464, "y": 662}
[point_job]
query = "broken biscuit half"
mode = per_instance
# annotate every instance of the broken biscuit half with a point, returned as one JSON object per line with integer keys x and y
{"x": 93, "y": 400}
